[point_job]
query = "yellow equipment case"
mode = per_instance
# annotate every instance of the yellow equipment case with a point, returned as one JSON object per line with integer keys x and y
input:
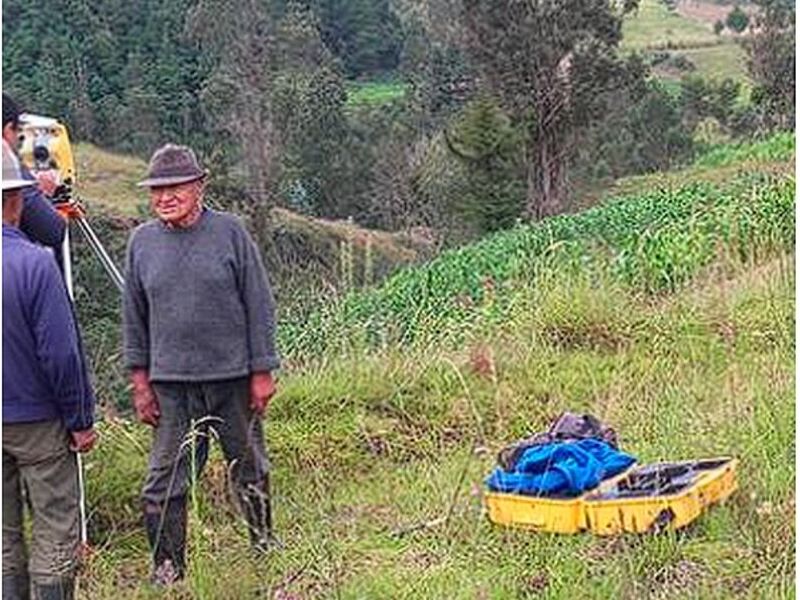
{"x": 643, "y": 499}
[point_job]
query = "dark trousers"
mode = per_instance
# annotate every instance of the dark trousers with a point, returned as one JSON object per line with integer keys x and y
{"x": 191, "y": 414}
{"x": 37, "y": 456}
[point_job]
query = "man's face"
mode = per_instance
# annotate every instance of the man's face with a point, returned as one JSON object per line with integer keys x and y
{"x": 174, "y": 202}
{"x": 11, "y": 134}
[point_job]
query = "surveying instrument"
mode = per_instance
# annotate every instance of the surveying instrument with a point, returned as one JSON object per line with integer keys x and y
{"x": 45, "y": 146}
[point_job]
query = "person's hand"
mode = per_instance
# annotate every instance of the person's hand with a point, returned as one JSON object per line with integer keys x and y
{"x": 145, "y": 402}
{"x": 83, "y": 441}
{"x": 262, "y": 389}
{"x": 48, "y": 181}
{"x": 146, "y": 405}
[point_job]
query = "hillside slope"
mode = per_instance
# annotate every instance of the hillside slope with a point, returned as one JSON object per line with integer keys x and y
{"x": 379, "y": 451}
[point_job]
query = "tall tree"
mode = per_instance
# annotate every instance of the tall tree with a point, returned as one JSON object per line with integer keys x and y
{"x": 485, "y": 143}
{"x": 238, "y": 47}
{"x": 771, "y": 64}
{"x": 548, "y": 61}
{"x": 365, "y": 34}
{"x": 308, "y": 105}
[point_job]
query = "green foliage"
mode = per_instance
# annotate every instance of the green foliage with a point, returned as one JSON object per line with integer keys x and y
{"x": 737, "y": 20}
{"x": 491, "y": 196}
{"x": 378, "y": 460}
{"x": 771, "y": 65}
{"x": 653, "y": 242}
{"x": 719, "y": 26}
{"x": 111, "y": 71}
{"x": 642, "y": 132}
{"x": 308, "y": 98}
{"x": 779, "y": 147}
{"x": 375, "y": 92}
{"x": 364, "y": 34}
{"x": 653, "y": 25}
{"x": 701, "y": 98}
{"x": 553, "y": 67}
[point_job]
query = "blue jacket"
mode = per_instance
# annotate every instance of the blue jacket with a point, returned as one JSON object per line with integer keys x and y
{"x": 40, "y": 221}
{"x": 560, "y": 469}
{"x": 44, "y": 375}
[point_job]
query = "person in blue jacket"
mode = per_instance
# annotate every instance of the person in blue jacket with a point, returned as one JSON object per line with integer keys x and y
{"x": 40, "y": 221}
{"x": 48, "y": 410}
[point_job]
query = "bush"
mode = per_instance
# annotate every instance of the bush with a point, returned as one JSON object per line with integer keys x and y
{"x": 737, "y": 20}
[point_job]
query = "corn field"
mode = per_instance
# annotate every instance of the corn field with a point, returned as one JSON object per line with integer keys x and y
{"x": 654, "y": 242}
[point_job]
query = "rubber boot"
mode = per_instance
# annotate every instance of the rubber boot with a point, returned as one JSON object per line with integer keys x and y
{"x": 257, "y": 508}
{"x": 167, "y": 541}
{"x": 16, "y": 587}
{"x": 64, "y": 589}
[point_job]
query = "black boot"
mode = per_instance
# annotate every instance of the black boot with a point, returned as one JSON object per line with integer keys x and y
{"x": 167, "y": 540}
{"x": 64, "y": 589}
{"x": 257, "y": 508}
{"x": 16, "y": 587}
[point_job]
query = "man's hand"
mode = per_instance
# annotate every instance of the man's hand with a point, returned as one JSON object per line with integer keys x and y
{"x": 262, "y": 389}
{"x": 83, "y": 441}
{"x": 48, "y": 182}
{"x": 145, "y": 401}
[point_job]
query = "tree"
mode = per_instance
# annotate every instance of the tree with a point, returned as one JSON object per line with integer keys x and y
{"x": 701, "y": 99}
{"x": 365, "y": 34}
{"x": 550, "y": 63}
{"x": 719, "y": 26}
{"x": 771, "y": 65}
{"x": 485, "y": 143}
{"x": 308, "y": 100}
{"x": 737, "y": 20}
{"x": 238, "y": 47}
{"x": 643, "y": 132}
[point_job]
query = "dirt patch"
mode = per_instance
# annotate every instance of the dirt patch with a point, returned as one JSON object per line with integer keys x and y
{"x": 673, "y": 580}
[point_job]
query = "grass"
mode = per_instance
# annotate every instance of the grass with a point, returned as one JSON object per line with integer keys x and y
{"x": 779, "y": 147}
{"x": 368, "y": 445}
{"x": 109, "y": 180}
{"x": 374, "y": 92}
{"x": 654, "y": 26}
{"x": 719, "y": 62}
{"x": 365, "y": 447}
{"x": 719, "y": 165}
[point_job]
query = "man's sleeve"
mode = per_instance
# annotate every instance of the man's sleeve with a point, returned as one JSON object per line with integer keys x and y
{"x": 135, "y": 336}
{"x": 58, "y": 348}
{"x": 259, "y": 306}
{"x": 40, "y": 221}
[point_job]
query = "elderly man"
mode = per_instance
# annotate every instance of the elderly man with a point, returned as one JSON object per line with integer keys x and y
{"x": 199, "y": 330}
{"x": 48, "y": 410}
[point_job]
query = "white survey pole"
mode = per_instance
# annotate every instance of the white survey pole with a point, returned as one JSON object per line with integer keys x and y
{"x": 67, "y": 263}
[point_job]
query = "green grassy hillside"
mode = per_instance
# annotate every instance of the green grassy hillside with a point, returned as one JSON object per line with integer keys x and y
{"x": 669, "y": 314}
{"x": 652, "y": 25}
{"x": 687, "y": 32}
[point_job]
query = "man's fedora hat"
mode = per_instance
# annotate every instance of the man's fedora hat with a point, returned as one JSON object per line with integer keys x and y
{"x": 172, "y": 165}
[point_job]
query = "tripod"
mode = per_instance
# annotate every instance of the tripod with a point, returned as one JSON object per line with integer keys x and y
{"x": 73, "y": 212}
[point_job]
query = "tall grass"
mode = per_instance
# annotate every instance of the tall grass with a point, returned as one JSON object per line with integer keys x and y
{"x": 669, "y": 314}
{"x": 779, "y": 147}
{"x": 367, "y": 450}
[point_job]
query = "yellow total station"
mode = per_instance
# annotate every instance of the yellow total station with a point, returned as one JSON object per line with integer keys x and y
{"x": 44, "y": 145}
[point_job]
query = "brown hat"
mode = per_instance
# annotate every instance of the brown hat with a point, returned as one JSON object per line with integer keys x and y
{"x": 172, "y": 165}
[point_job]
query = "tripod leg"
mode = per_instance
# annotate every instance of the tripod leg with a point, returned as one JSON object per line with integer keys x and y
{"x": 101, "y": 252}
{"x": 66, "y": 256}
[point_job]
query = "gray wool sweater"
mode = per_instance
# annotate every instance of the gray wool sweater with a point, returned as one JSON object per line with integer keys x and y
{"x": 197, "y": 304}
